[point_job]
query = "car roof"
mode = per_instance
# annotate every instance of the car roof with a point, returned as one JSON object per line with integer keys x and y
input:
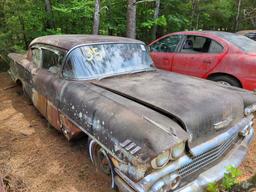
{"x": 218, "y": 33}
{"x": 69, "y": 41}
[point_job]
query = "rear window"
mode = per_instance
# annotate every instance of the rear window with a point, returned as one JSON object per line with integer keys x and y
{"x": 242, "y": 42}
{"x": 251, "y": 35}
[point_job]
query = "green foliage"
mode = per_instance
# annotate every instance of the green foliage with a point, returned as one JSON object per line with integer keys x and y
{"x": 228, "y": 182}
{"x": 160, "y": 21}
{"x": 212, "y": 187}
{"x": 230, "y": 178}
{"x": 23, "y": 20}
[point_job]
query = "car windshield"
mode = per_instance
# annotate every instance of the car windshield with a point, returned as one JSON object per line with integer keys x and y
{"x": 103, "y": 60}
{"x": 242, "y": 42}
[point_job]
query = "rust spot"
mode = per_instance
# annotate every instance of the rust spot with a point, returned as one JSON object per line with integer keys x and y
{"x": 40, "y": 102}
{"x": 53, "y": 115}
{"x": 70, "y": 130}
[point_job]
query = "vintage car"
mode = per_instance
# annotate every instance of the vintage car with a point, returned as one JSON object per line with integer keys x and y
{"x": 223, "y": 57}
{"x": 148, "y": 129}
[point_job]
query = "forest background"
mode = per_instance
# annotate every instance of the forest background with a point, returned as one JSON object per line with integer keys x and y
{"x": 23, "y": 20}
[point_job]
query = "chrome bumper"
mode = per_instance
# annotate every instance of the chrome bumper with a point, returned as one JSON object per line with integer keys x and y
{"x": 215, "y": 173}
{"x": 234, "y": 157}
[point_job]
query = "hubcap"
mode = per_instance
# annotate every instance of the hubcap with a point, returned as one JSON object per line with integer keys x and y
{"x": 100, "y": 159}
{"x": 224, "y": 83}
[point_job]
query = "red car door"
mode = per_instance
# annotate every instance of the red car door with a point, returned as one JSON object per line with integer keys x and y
{"x": 197, "y": 56}
{"x": 163, "y": 50}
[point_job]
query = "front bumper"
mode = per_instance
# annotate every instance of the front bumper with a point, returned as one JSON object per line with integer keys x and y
{"x": 234, "y": 157}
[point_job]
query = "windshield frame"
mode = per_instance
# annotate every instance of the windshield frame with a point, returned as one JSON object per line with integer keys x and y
{"x": 152, "y": 68}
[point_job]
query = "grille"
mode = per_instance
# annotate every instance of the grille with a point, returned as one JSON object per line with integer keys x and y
{"x": 207, "y": 158}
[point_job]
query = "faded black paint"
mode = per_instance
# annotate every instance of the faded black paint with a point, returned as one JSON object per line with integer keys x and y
{"x": 155, "y": 110}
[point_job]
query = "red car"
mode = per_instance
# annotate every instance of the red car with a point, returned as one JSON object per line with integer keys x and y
{"x": 224, "y": 57}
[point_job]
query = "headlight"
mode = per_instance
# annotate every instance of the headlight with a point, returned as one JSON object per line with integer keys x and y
{"x": 177, "y": 150}
{"x": 250, "y": 109}
{"x": 161, "y": 160}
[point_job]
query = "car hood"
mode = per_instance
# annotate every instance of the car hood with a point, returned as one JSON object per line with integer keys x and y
{"x": 201, "y": 107}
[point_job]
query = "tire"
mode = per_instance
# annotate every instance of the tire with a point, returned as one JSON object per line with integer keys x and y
{"x": 226, "y": 80}
{"x": 97, "y": 156}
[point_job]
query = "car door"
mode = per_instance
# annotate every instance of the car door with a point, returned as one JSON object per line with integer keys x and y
{"x": 47, "y": 84}
{"x": 163, "y": 50}
{"x": 38, "y": 99}
{"x": 197, "y": 56}
{"x": 33, "y": 63}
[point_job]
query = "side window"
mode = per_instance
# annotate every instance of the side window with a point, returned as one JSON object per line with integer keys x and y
{"x": 215, "y": 47}
{"x": 251, "y": 35}
{"x": 51, "y": 60}
{"x": 68, "y": 69}
{"x": 36, "y": 57}
{"x": 196, "y": 44}
{"x": 168, "y": 44}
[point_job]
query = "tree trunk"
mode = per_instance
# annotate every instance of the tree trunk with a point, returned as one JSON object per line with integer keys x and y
{"x": 96, "y": 18}
{"x": 192, "y": 13}
{"x": 237, "y": 15}
{"x": 131, "y": 19}
{"x": 50, "y": 20}
{"x": 197, "y": 20}
{"x": 156, "y": 15}
{"x": 195, "y": 9}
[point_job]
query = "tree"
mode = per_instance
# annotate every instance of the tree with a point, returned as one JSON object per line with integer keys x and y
{"x": 131, "y": 19}
{"x": 156, "y": 15}
{"x": 238, "y": 14}
{"x": 194, "y": 12}
{"x": 50, "y": 19}
{"x": 96, "y": 18}
{"x": 23, "y": 20}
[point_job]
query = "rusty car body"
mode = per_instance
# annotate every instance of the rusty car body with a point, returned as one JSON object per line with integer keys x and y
{"x": 150, "y": 130}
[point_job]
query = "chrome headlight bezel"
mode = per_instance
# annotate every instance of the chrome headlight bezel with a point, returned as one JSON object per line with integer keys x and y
{"x": 250, "y": 109}
{"x": 161, "y": 160}
{"x": 177, "y": 151}
{"x": 172, "y": 154}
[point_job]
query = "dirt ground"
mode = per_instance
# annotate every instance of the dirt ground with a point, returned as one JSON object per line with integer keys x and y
{"x": 35, "y": 157}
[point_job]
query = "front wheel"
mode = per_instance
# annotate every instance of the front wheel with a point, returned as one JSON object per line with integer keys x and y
{"x": 226, "y": 80}
{"x": 101, "y": 160}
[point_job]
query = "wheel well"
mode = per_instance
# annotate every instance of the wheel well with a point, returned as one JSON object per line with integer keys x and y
{"x": 19, "y": 82}
{"x": 224, "y": 74}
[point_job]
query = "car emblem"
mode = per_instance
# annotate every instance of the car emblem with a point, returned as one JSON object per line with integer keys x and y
{"x": 223, "y": 123}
